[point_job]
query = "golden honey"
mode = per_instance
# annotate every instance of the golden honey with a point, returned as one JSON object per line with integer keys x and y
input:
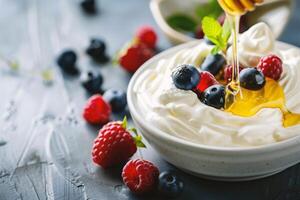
{"x": 238, "y": 7}
{"x": 247, "y": 102}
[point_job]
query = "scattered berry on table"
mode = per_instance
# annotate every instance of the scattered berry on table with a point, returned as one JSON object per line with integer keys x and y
{"x": 147, "y": 35}
{"x": 185, "y": 77}
{"x": 67, "y": 62}
{"x": 97, "y": 50}
{"x": 271, "y": 66}
{"x": 228, "y": 73}
{"x": 140, "y": 176}
{"x": 92, "y": 82}
{"x": 214, "y": 96}
{"x": 96, "y": 110}
{"x": 89, "y": 6}
{"x": 114, "y": 144}
{"x": 170, "y": 185}
{"x": 116, "y": 99}
{"x": 252, "y": 79}
{"x": 206, "y": 80}
{"x": 134, "y": 56}
{"x": 213, "y": 63}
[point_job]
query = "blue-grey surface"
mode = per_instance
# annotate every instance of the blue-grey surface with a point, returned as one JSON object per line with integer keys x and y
{"x": 44, "y": 143}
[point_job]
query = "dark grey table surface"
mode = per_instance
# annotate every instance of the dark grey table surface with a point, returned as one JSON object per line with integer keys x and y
{"x": 44, "y": 143}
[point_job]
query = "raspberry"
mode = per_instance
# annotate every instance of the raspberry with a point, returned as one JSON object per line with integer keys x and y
{"x": 134, "y": 56}
{"x": 271, "y": 66}
{"x": 147, "y": 35}
{"x": 140, "y": 176}
{"x": 228, "y": 73}
{"x": 206, "y": 80}
{"x": 96, "y": 110}
{"x": 113, "y": 145}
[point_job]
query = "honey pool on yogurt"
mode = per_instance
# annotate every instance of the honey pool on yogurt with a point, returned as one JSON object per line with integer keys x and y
{"x": 247, "y": 102}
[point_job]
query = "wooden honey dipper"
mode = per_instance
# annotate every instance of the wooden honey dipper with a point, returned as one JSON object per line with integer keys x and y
{"x": 238, "y": 7}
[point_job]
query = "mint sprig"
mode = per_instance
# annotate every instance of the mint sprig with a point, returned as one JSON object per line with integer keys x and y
{"x": 217, "y": 34}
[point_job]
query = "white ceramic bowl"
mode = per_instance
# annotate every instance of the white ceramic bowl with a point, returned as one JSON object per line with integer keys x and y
{"x": 231, "y": 164}
{"x": 271, "y": 12}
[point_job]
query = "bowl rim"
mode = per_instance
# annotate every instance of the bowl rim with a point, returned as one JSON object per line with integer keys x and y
{"x": 288, "y": 143}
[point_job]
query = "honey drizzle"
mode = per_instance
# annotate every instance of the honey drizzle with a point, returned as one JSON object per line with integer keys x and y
{"x": 243, "y": 102}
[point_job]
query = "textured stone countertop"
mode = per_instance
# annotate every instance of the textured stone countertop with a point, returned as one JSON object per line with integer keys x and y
{"x": 45, "y": 145}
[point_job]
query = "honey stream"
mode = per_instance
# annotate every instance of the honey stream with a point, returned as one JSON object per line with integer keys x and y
{"x": 243, "y": 102}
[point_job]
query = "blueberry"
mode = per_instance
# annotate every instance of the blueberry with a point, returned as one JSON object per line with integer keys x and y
{"x": 213, "y": 63}
{"x": 185, "y": 77}
{"x": 116, "y": 99}
{"x": 92, "y": 82}
{"x": 170, "y": 185}
{"x": 97, "y": 49}
{"x": 214, "y": 96}
{"x": 252, "y": 79}
{"x": 89, "y": 6}
{"x": 67, "y": 61}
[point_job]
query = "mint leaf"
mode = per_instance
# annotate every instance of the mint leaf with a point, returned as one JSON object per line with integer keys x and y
{"x": 215, "y": 50}
{"x": 211, "y": 28}
{"x": 216, "y": 33}
{"x": 226, "y": 31}
{"x": 182, "y": 22}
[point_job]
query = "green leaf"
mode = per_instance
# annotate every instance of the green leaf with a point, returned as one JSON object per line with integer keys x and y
{"x": 138, "y": 141}
{"x": 226, "y": 31}
{"x": 124, "y": 122}
{"x": 182, "y": 22}
{"x": 211, "y": 27}
{"x": 215, "y": 50}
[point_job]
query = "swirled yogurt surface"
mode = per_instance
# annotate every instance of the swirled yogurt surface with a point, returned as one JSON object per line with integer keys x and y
{"x": 181, "y": 114}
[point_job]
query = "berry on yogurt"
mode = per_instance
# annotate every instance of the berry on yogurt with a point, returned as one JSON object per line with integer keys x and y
{"x": 252, "y": 79}
{"x": 185, "y": 77}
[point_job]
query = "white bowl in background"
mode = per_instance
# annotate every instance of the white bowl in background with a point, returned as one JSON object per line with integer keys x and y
{"x": 271, "y": 12}
{"x": 230, "y": 164}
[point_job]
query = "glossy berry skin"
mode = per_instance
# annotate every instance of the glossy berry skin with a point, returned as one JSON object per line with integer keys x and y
{"x": 67, "y": 61}
{"x": 185, "y": 77}
{"x": 116, "y": 99}
{"x": 92, "y": 82}
{"x": 114, "y": 145}
{"x": 228, "y": 73}
{"x": 271, "y": 66}
{"x": 213, "y": 63}
{"x": 134, "y": 56}
{"x": 214, "y": 96}
{"x": 252, "y": 79}
{"x": 170, "y": 185}
{"x": 147, "y": 36}
{"x": 140, "y": 176}
{"x": 97, "y": 50}
{"x": 96, "y": 110}
{"x": 88, "y": 6}
{"x": 206, "y": 80}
